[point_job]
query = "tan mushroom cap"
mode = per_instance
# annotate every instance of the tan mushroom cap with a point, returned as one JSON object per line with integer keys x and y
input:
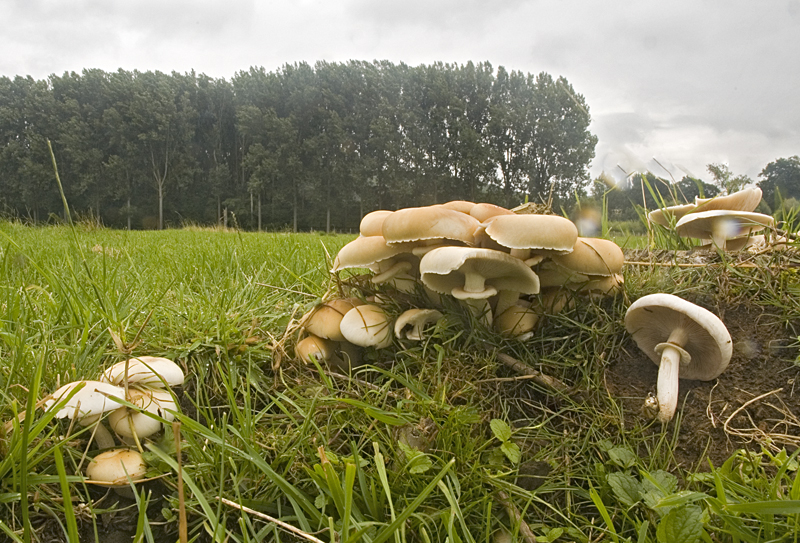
{"x": 517, "y": 321}
{"x": 416, "y": 224}
{"x": 550, "y": 233}
{"x": 323, "y": 321}
{"x": 412, "y": 322}
{"x": 743, "y": 200}
{"x": 372, "y": 223}
{"x": 367, "y": 326}
{"x": 320, "y": 348}
{"x": 672, "y": 214}
{"x": 721, "y": 225}
{"x": 462, "y": 206}
{"x": 114, "y": 467}
{"x": 652, "y": 320}
{"x": 474, "y": 273}
{"x": 483, "y": 212}
{"x": 593, "y": 256}
{"x": 366, "y": 252}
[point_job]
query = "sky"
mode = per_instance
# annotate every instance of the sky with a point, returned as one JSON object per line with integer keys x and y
{"x": 671, "y": 85}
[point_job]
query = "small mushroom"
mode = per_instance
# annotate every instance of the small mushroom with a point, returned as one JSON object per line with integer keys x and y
{"x": 683, "y": 339}
{"x": 411, "y": 323}
{"x": 117, "y": 468}
{"x": 367, "y": 326}
{"x": 722, "y": 225}
{"x": 667, "y": 216}
{"x": 129, "y": 422}
{"x": 323, "y": 321}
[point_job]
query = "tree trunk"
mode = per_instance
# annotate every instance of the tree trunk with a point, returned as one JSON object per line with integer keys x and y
{"x": 259, "y": 212}
{"x": 129, "y": 213}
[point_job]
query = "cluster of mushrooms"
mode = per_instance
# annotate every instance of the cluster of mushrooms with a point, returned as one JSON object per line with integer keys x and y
{"x": 724, "y": 222}
{"x": 508, "y": 269}
{"x": 144, "y": 382}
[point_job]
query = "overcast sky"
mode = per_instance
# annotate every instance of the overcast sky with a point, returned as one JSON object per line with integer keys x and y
{"x": 688, "y": 82}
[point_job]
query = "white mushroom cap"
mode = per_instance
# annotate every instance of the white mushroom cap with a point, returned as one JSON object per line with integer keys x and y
{"x": 655, "y": 318}
{"x": 91, "y": 400}
{"x": 743, "y": 200}
{"x": 124, "y": 421}
{"x": 411, "y": 323}
{"x": 682, "y": 338}
{"x": 664, "y": 215}
{"x": 323, "y": 321}
{"x": 721, "y": 225}
{"x": 150, "y": 371}
{"x": 367, "y": 326}
{"x": 474, "y": 273}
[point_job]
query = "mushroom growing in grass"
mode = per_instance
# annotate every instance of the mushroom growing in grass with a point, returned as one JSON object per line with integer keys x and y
{"x": 474, "y": 274}
{"x": 684, "y": 339}
{"x": 116, "y": 469}
{"x": 367, "y": 326}
{"x": 722, "y": 225}
{"x": 86, "y": 403}
{"x": 411, "y": 323}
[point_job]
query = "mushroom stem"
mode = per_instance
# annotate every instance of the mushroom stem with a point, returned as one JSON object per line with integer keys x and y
{"x": 667, "y": 388}
{"x": 395, "y": 269}
{"x": 719, "y": 234}
{"x": 102, "y": 436}
{"x": 474, "y": 282}
{"x": 505, "y": 300}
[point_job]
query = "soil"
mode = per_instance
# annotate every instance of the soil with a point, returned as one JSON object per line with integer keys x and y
{"x": 754, "y": 403}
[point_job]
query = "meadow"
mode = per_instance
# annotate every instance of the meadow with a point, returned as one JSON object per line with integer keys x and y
{"x": 463, "y": 437}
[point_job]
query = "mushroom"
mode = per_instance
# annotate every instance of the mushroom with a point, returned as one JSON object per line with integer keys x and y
{"x": 323, "y": 321}
{"x": 683, "y": 339}
{"x": 411, "y": 323}
{"x": 429, "y": 227}
{"x": 540, "y": 234}
{"x": 117, "y": 468}
{"x": 722, "y": 225}
{"x": 367, "y": 326}
{"x": 477, "y": 274}
{"x": 136, "y": 423}
{"x": 387, "y": 261}
{"x": 667, "y": 216}
{"x": 483, "y": 212}
{"x": 462, "y": 206}
{"x": 150, "y": 371}
{"x": 743, "y": 200}
{"x": 518, "y": 321}
{"x": 371, "y": 223}
{"x": 87, "y": 401}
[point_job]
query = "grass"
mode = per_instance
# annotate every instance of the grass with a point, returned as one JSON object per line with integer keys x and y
{"x": 431, "y": 441}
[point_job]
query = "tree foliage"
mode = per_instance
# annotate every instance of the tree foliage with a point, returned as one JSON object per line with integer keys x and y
{"x": 300, "y": 147}
{"x": 780, "y": 180}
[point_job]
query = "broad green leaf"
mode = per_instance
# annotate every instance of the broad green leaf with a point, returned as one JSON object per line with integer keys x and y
{"x": 512, "y": 452}
{"x": 660, "y": 480}
{"x": 500, "y": 429}
{"x": 626, "y": 488}
{"x": 681, "y": 525}
{"x": 622, "y": 457}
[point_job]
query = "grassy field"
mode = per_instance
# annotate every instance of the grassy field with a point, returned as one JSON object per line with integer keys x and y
{"x": 443, "y": 440}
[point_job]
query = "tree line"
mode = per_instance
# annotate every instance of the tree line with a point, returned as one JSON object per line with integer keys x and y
{"x": 301, "y": 147}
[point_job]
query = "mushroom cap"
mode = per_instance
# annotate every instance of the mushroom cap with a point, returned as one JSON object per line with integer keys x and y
{"x": 410, "y": 324}
{"x": 483, "y": 212}
{"x": 324, "y": 319}
{"x": 372, "y": 223}
{"x": 662, "y": 216}
{"x": 364, "y": 252}
{"x": 462, "y": 206}
{"x": 652, "y": 319}
{"x": 445, "y": 271}
{"x": 151, "y": 371}
{"x": 115, "y": 466}
{"x": 321, "y": 348}
{"x": 428, "y": 223}
{"x": 735, "y": 224}
{"x": 743, "y": 200}
{"x": 91, "y": 400}
{"x": 593, "y": 256}
{"x": 124, "y": 420}
{"x": 548, "y": 232}
{"x": 367, "y": 326}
